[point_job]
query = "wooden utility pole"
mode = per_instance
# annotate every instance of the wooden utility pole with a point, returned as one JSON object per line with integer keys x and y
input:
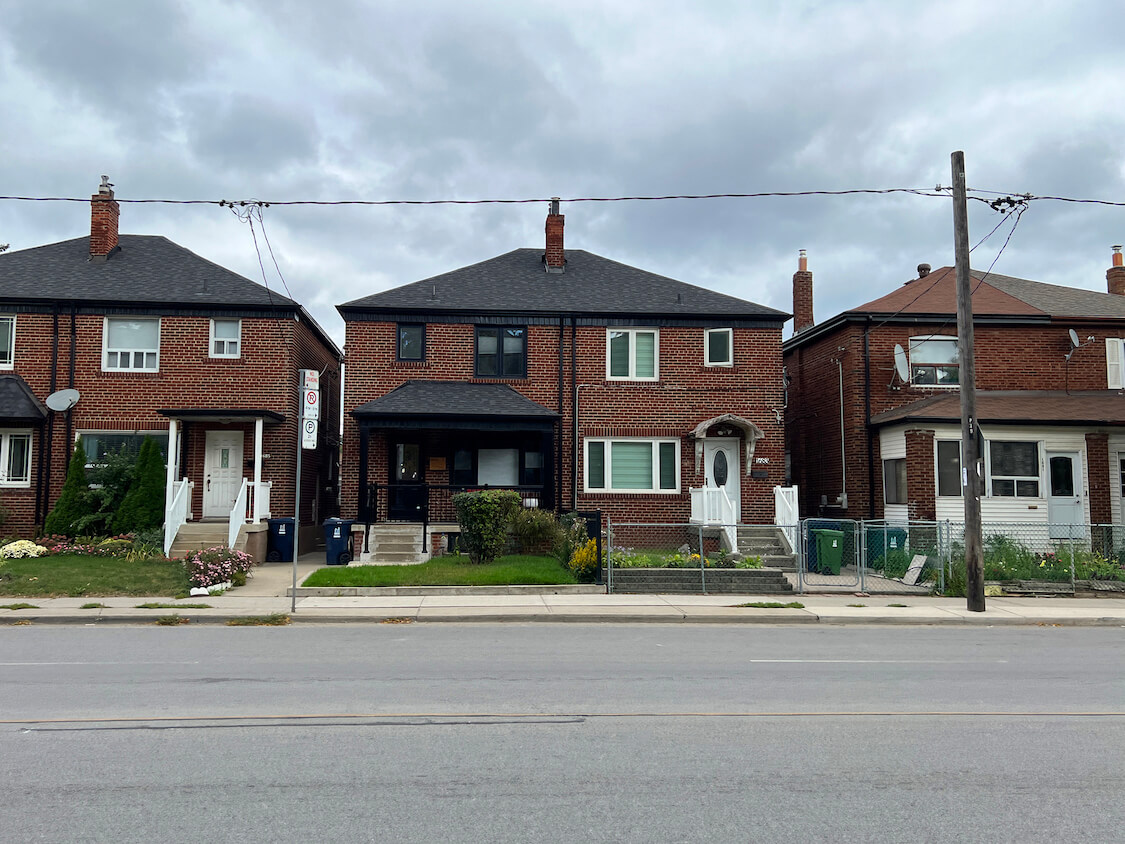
{"x": 970, "y": 472}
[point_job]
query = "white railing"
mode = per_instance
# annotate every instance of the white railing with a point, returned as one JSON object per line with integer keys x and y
{"x": 177, "y": 513}
{"x": 238, "y": 513}
{"x": 785, "y": 513}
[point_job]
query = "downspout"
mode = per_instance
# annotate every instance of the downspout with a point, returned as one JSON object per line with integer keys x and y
{"x": 867, "y": 415}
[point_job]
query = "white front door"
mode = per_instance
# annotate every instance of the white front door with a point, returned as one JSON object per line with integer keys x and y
{"x": 1065, "y": 510}
{"x": 721, "y": 469}
{"x": 222, "y": 472}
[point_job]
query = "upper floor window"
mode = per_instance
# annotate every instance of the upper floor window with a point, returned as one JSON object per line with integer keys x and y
{"x": 1115, "y": 362}
{"x": 131, "y": 344}
{"x": 411, "y": 342}
{"x": 1014, "y": 468}
{"x": 15, "y": 458}
{"x": 934, "y": 361}
{"x": 7, "y": 341}
{"x": 226, "y": 338}
{"x": 718, "y": 347}
{"x": 632, "y": 354}
{"x": 501, "y": 351}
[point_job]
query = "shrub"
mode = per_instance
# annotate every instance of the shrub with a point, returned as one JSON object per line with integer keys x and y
{"x": 212, "y": 566}
{"x": 73, "y": 506}
{"x": 535, "y": 530}
{"x": 21, "y": 548}
{"x": 484, "y": 518}
{"x": 584, "y": 564}
{"x": 142, "y": 508}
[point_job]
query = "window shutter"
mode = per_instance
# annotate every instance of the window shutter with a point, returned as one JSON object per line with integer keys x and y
{"x": 1114, "y": 365}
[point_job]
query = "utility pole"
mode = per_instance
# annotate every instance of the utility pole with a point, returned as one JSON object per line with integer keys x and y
{"x": 970, "y": 471}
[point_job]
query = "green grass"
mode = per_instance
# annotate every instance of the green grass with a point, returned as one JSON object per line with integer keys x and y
{"x": 448, "y": 571}
{"x": 773, "y": 605}
{"x": 78, "y": 575}
{"x": 277, "y": 619}
{"x": 20, "y": 606}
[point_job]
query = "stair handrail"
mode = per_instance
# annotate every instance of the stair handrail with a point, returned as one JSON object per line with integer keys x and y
{"x": 176, "y": 515}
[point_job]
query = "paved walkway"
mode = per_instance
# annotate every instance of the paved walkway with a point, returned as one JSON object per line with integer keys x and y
{"x": 268, "y": 592}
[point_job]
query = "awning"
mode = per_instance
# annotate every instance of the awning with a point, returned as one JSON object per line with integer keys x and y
{"x": 455, "y": 405}
{"x": 18, "y": 404}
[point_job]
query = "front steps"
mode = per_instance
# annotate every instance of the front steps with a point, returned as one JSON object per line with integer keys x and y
{"x": 769, "y": 543}
{"x": 394, "y": 545}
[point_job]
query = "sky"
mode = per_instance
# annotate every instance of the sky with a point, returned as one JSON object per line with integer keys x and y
{"x": 431, "y": 100}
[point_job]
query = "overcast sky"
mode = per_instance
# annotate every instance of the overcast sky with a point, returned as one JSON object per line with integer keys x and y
{"x": 279, "y": 100}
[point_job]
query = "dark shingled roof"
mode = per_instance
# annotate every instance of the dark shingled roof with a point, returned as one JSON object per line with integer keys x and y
{"x": 145, "y": 269}
{"x": 1050, "y": 407}
{"x": 591, "y": 284}
{"x": 454, "y": 398}
{"x": 18, "y": 405}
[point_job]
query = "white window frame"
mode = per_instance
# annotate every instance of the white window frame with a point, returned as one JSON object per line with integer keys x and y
{"x": 6, "y": 436}
{"x": 9, "y": 352}
{"x": 107, "y": 351}
{"x": 707, "y": 346}
{"x": 212, "y": 340}
{"x": 1115, "y": 362}
{"x": 929, "y": 338}
{"x": 655, "y": 443}
{"x": 633, "y": 332}
{"x": 1038, "y": 478}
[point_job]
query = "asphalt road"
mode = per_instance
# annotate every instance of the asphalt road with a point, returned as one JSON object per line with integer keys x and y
{"x": 532, "y": 733}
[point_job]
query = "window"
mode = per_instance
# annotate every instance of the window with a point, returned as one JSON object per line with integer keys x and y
{"x": 501, "y": 352}
{"x": 226, "y": 338}
{"x": 131, "y": 344}
{"x": 949, "y": 467}
{"x": 718, "y": 347}
{"x": 15, "y": 458}
{"x": 1115, "y": 362}
{"x": 411, "y": 342}
{"x": 7, "y": 341}
{"x": 894, "y": 481}
{"x": 1014, "y": 469}
{"x": 933, "y": 361}
{"x": 632, "y": 354}
{"x": 633, "y": 465}
{"x": 97, "y": 444}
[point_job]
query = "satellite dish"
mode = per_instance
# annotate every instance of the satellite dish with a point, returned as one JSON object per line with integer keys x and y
{"x": 1074, "y": 341}
{"x": 902, "y": 367}
{"x": 62, "y": 400}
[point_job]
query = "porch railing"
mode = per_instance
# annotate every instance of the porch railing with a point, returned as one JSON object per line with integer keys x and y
{"x": 176, "y": 516}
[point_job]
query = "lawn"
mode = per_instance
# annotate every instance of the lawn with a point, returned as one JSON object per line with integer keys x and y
{"x": 448, "y": 571}
{"x": 80, "y": 575}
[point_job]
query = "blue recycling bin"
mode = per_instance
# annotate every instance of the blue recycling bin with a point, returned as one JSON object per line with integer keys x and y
{"x": 338, "y": 541}
{"x": 282, "y": 540}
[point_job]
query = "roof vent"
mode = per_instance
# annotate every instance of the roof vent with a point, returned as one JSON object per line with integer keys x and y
{"x": 923, "y": 270}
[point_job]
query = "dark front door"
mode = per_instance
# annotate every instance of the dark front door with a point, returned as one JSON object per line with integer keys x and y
{"x": 407, "y": 494}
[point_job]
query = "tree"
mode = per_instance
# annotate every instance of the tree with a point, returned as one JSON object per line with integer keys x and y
{"x": 73, "y": 508}
{"x": 143, "y": 505}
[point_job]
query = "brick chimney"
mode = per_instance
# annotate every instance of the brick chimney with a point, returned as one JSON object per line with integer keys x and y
{"x": 554, "y": 259}
{"x": 802, "y": 296}
{"x": 1115, "y": 275}
{"x": 104, "y": 214}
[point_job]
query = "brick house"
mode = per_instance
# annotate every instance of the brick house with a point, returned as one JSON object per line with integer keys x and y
{"x": 583, "y": 383}
{"x": 157, "y": 341}
{"x": 873, "y": 419}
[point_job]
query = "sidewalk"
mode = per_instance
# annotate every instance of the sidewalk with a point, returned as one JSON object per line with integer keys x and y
{"x": 268, "y": 592}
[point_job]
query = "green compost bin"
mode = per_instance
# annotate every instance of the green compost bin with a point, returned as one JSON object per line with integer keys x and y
{"x": 881, "y": 540}
{"x": 829, "y": 550}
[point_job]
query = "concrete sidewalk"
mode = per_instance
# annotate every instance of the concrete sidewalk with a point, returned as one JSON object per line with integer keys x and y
{"x": 267, "y": 593}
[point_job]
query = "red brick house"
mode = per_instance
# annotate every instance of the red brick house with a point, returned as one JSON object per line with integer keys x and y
{"x": 158, "y": 341}
{"x": 873, "y": 418}
{"x": 582, "y": 382}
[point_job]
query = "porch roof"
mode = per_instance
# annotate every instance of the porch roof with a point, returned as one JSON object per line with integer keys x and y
{"x": 454, "y": 404}
{"x": 18, "y": 404}
{"x": 1016, "y": 407}
{"x": 221, "y": 414}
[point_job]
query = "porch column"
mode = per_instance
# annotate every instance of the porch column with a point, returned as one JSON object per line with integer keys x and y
{"x": 258, "y": 423}
{"x": 173, "y": 465}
